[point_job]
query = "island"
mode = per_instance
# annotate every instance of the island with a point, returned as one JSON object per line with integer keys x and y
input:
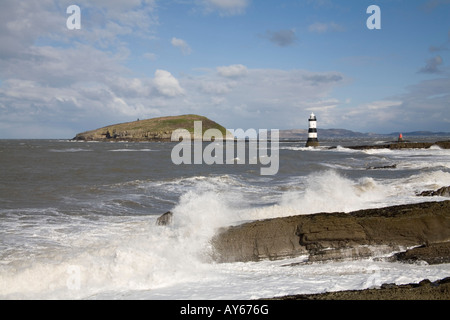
{"x": 155, "y": 129}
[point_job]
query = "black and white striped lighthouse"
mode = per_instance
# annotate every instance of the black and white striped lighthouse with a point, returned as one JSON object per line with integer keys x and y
{"x": 312, "y": 132}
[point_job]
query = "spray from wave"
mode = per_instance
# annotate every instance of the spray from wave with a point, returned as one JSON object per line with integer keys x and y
{"x": 121, "y": 254}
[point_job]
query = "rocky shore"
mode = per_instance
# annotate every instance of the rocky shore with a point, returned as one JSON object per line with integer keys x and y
{"x": 417, "y": 232}
{"x": 424, "y": 290}
{"x": 412, "y": 233}
{"x": 335, "y": 236}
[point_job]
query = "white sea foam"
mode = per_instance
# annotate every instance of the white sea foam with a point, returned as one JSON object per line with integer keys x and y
{"x": 70, "y": 150}
{"x": 126, "y": 256}
{"x": 135, "y": 259}
{"x": 131, "y": 150}
{"x": 47, "y": 253}
{"x": 119, "y": 254}
{"x": 329, "y": 191}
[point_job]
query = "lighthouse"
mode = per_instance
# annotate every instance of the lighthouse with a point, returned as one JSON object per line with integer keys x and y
{"x": 312, "y": 132}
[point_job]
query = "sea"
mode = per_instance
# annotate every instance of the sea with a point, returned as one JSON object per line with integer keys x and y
{"x": 78, "y": 219}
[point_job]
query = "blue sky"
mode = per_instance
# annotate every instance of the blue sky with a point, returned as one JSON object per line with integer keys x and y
{"x": 243, "y": 63}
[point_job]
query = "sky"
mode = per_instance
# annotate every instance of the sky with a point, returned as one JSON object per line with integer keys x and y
{"x": 247, "y": 64}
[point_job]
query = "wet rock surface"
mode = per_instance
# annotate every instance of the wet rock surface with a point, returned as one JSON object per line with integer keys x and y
{"x": 441, "y": 192}
{"x": 165, "y": 219}
{"x": 435, "y": 253}
{"x": 424, "y": 290}
{"x": 326, "y": 236}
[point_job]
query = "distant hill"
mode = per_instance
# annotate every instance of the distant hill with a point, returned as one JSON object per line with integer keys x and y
{"x": 156, "y": 129}
{"x": 160, "y": 129}
{"x": 343, "y": 133}
{"x": 322, "y": 133}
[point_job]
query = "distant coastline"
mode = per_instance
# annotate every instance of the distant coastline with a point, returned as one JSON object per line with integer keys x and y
{"x": 405, "y": 145}
{"x": 160, "y": 129}
{"x": 344, "y": 133}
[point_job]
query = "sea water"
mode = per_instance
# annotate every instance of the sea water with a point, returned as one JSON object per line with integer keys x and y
{"x": 78, "y": 219}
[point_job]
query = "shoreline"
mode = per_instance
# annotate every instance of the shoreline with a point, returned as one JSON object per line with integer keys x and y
{"x": 438, "y": 253}
{"x": 412, "y": 233}
{"x": 424, "y": 290}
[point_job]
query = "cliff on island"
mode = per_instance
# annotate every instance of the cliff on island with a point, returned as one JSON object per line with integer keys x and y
{"x": 156, "y": 129}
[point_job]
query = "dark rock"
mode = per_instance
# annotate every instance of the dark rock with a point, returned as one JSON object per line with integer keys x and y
{"x": 442, "y": 192}
{"x": 388, "y": 285}
{"x": 424, "y": 290}
{"x": 325, "y": 236}
{"x": 394, "y": 166}
{"x": 424, "y": 282}
{"x": 268, "y": 239}
{"x": 165, "y": 219}
{"x": 435, "y": 253}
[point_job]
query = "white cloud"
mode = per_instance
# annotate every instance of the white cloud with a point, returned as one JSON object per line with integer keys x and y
{"x": 236, "y": 70}
{"x": 216, "y": 87}
{"x": 167, "y": 84}
{"x": 182, "y": 45}
{"x": 226, "y": 7}
{"x": 263, "y": 98}
{"x": 424, "y": 106}
{"x": 320, "y": 27}
{"x": 223, "y": 93}
{"x": 382, "y": 105}
{"x": 364, "y": 117}
{"x": 80, "y": 80}
{"x": 150, "y": 56}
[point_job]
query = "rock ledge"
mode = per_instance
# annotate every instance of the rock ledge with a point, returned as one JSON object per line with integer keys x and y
{"x": 332, "y": 236}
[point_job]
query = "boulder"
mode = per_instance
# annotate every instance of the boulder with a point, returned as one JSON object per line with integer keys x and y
{"x": 435, "y": 253}
{"x": 442, "y": 192}
{"x": 165, "y": 219}
{"x": 394, "y": 166}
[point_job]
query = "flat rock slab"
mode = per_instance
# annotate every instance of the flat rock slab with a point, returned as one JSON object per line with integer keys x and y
{"x": 326, "y": 236}
{"x": 435, "y": 253}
